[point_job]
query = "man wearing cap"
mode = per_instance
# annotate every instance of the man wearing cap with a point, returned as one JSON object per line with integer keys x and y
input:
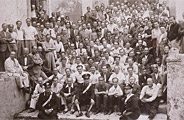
{"x": 47, "y": 103}
{"x": 101, "y": 91}
{"x": 85, "y": 96}
{"x": 130, "y": 109}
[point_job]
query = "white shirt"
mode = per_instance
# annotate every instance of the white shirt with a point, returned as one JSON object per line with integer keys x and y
{"x": 59, "y": 46}
{"x": 50, "y": 32}
{"x": 120, "y": 76}
{"x": 20, "y": 34}
{"x": 14, "y": 36}
{"x": 117, "y": 90}
{"x": 30, "y": 33}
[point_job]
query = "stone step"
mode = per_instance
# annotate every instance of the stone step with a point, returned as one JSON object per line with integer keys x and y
{"x": 114, "y": 116}
{"x": 162, "y": 108}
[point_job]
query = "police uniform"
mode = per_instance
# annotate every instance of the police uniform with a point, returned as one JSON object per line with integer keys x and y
{"x": 47, "y": 100}
{"x": 131, "y": 109}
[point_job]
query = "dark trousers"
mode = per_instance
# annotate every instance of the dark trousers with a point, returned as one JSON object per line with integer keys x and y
{"x": 101, "y": 99}
{"x": 43, "y": 115}
{"x": 132, "y": 116}
{"x": 3, "y": 56}
{"x": 151, "y": 107}
{"x": 114, "y": 101}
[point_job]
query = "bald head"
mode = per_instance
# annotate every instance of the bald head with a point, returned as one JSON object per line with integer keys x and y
{"x": 26, "y": 51}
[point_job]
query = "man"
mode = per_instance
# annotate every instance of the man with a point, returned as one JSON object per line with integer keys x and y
{"x": 94, "y": 75}
{"x": 131, "y": 109}
{"x": 30, "y": 35}
{"x": 25, "y": 60}
{"x": 20, "y": 38}
{"x": 49, "y": 48}
{"x": 5, "y": 39}
{"x": 105, "y": 73}
{"x": 12, "y": 66}
{"x": 47, "y": 103}
{"x": 143, "y": 78}
{"x": 85, "y": 96}
{"x": 13, "y": 45}
{"x": 173, "y": 31}
{"x": 49, "y": 31}
{"x": 156, "y": 76}
{"x": 118, "y": 74}
{"x": 78, "y": 75}
{"x": 101, "y": 91}
{"x": 37, "y": 91}
{"x": 136, "y": 89}
{"x": 35, "y": 56}
{"x": 68, "y": 94}
{"x": 130, "y": 74}
{"x": 132, "y": 64}
{"x": 58, "y": 75}
{"x": 149, "y": 99}
{"x": 115, "y": 93}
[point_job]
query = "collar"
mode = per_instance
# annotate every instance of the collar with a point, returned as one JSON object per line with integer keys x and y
{"x": 68, "y": 85}
{"x": 128, "y": 97}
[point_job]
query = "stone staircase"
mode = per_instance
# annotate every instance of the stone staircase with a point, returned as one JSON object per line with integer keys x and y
{"x": 162, "y": 115}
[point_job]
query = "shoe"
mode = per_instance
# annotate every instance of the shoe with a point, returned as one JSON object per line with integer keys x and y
{"x": 79, "y": 114}
{"x": 30, "y": 110}
{"x": 87, "y": 114}
{"x": 97, "y": 111}
{"x": 110, "y": 112}
{"x": 72, "y": 111}
{"x": 65, "y": 111}
{"x": 105, "y": 112}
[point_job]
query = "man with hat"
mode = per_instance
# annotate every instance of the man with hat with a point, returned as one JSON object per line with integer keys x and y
{"x": 47, "y": 103}
{"x": 85, "y": 95}
{"x": 131, "y": 107}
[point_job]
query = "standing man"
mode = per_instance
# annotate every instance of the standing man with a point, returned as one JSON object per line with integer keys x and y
{"x": 85, "y": 96}
{"x": 47, "y": 103}
{"x": 5, "y": 39}
{"x": 13, "y": 45}
{"x": 30, "y": 35}
{"x": 20, "y": 38}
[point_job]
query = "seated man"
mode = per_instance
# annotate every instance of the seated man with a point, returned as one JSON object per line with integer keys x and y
{"x": 12, "y": 66}
{"x": 85, "y": 95}
{"x": 35, "y": 73}
{"x": 115, "y": 93}
{"x": 101, "y": 91}
{"x": 136, "y": 89}
{"x": 130, "y": 109}
{"x": 68, "y": 94}
{"x": 37, "y": 91}
{"x": 149, "y": 99}
{"x": 47, "y": 103}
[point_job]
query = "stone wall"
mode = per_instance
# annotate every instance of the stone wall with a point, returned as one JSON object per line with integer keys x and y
{"x": 175, "y": 89}
{"x": 12, "y": 10}
{"x": 12, "y": 100}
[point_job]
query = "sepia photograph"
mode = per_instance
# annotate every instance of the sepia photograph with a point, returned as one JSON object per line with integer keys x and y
{"x": 92, "y": 60}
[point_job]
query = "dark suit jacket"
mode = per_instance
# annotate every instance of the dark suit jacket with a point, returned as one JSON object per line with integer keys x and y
{"x": 29, "y": 61}
{"x": 136, "y": 90}
{"x": 66, "y": 90}
{"x": 4, "y": 45}
{"x": 107, "y": 76}
{"x": 54, "y": 102}
{"x": 158, "y": 80}
{"x": 173, "y": 32}
{"x": 88, "y": 94}
{"x": 132, "y": 106}
{"x": 143, "y": 80}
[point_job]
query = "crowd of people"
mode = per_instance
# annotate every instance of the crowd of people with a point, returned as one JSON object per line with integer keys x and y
{"x": 112, "y": 60}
